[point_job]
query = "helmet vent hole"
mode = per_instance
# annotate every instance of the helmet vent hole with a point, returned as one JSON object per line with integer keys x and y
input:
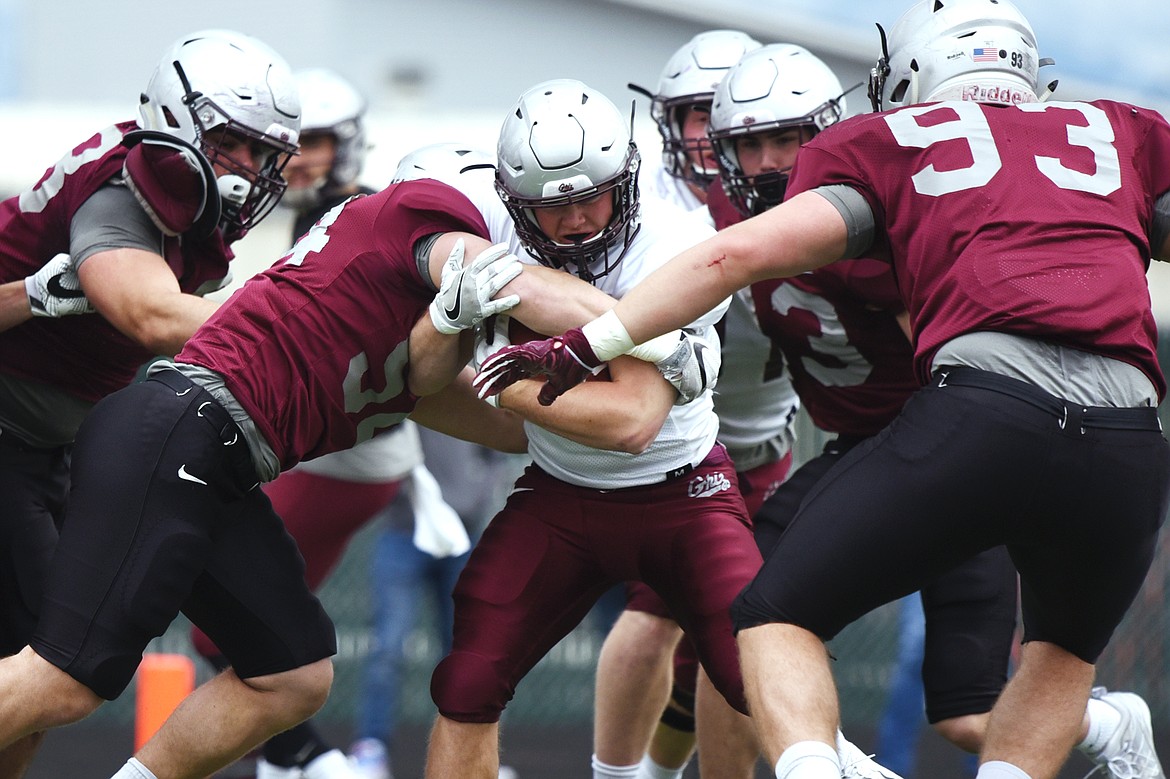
{"x": 899, "y": 93}
{"x": 938, "y": 6}
{"x": 171, "y": 120}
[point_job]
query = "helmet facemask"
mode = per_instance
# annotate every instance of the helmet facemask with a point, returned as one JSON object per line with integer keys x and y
{"x": 679, "y": 153}
{"x": 597, "y": 255}
{"x": 222, "y": 91}
{"x": 687, "y": 81}
{"x": 248, "y": 195}
{"x": 772, "y": 89}
{"x": 564, "y": 143}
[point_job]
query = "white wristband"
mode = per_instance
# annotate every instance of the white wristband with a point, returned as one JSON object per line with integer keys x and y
{"x": 607, "y": 336}
{"x": 658, "y": 348}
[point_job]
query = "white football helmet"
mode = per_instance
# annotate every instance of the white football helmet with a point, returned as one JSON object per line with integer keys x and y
{"x": 564, "y": 142}
{"x": 216, "y": 82}
{"x": 978, "y": 50}
{"x": 689, "y": 79}
{"x": 331, "y": 106}
{"x": 445, "y": 162}
{"x": 772, "y": 88}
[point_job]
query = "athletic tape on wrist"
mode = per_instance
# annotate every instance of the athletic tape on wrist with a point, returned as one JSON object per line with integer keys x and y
{"x": 607, "y": 336}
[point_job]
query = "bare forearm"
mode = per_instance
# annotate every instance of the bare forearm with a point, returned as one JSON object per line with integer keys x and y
{"x": 456, "y": 411}
{"x": 166, "y": 329}
{"x": 552, "y": 301}
{"x": 435, "y": 359}
{"x": 623, "y": 415}
{"x": 799, "y": 235}
{"x": 14, "y": 307}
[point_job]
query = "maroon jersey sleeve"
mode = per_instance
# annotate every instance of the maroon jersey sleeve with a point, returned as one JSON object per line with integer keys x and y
{"x": 850, "y": 362}
{"x": 82, "y": 355}
{"x": 723, "y": 212}
{"x": 315, "y": 348}
{"x": 1028, "y": 219}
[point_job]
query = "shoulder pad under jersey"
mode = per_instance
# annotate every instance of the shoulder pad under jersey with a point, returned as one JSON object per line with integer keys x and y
{"x": 173, "y": 181}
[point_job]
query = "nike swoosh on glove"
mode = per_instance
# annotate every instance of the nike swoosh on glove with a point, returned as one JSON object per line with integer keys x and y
{"x": 54, "y": 291}
{"x": 466, "y": 294}
{"x": 566, "y": 360}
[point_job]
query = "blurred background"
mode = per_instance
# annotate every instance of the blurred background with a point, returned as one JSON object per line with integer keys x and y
{"x": 448, "y": 70}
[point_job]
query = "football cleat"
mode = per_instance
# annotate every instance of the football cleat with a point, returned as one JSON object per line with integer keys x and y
{"x": 1129, "y": 753}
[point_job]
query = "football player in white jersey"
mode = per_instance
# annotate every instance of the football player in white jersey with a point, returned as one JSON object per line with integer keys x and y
{"x": 756, "y": 405}
{"x": 629, "y": 483}
{"x": 681, "y": 105}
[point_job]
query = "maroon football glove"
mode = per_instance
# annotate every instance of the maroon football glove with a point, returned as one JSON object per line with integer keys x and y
{"x": 566, "y": 360}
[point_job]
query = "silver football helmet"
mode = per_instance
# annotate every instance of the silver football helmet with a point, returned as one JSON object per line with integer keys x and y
{"x": 772, "y": 88}
{"x": 564, "y": 142}
{"x": 217, "y": 87}
{"x": 689, "y": 79}
{"x": 978, "y": 50}
{"x": 330, "y": 106}
{"x": 445, "y": 162}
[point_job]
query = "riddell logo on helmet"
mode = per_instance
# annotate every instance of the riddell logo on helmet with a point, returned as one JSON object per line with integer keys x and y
{"x": 566, "y": 187}
{"x": 978, "y": 93}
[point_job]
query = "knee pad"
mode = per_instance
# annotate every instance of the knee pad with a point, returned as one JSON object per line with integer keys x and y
{"x": 467, "y": 688}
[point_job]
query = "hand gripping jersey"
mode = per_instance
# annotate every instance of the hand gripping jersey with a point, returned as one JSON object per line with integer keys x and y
{"x": 84, "y": 356}
{"x": 969, "y": 197}
{"x": 315, "y": 348}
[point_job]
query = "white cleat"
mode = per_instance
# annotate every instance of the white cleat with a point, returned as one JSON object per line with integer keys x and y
{"x": 855, "y": 764}
{"x": 266, "y": 770}
{"x": 1129, "y": 753}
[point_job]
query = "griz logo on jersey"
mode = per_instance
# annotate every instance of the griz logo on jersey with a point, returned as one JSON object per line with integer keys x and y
{"x": 705, "y": 486}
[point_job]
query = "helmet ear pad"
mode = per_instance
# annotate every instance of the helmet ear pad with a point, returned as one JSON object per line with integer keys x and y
{"x": 173, "y": 181}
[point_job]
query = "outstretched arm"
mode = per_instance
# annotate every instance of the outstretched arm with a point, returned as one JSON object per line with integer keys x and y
{"x": 798, "y": 235}
{"x": 468, "y": 272}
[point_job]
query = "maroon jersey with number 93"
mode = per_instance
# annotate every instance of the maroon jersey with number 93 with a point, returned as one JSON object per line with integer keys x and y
{"x": 1028, "y": 219}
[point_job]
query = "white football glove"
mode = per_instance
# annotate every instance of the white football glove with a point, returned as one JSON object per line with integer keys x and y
{"x": 465, "y": 296}
{"x": 491, "y": 335}
{"x": 54, "y": 290}
{"x": 693, "y": 367}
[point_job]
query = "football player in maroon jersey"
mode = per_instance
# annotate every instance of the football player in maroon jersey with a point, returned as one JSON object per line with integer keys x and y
{"x": 1020, "y": 232}
{"x": 326, "y": 501}
{"x": 843, "y": 332}
{"x": 136, "y": 222}
{"x": 312, "y": 356}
